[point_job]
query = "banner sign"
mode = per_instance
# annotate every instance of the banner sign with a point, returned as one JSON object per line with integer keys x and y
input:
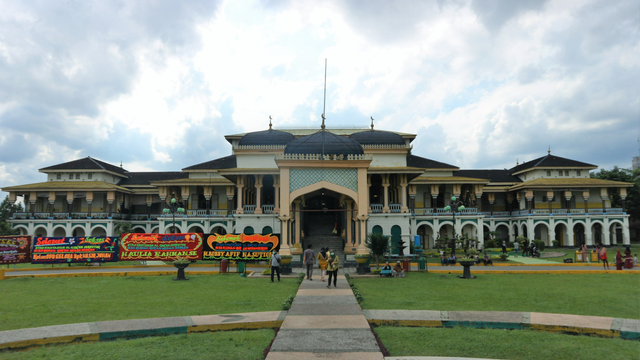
{"x": 161, "y": 246}
{"x": 53, "y": 250}
{"x": 240, "y": 247}
{"x": 15, "y": 249}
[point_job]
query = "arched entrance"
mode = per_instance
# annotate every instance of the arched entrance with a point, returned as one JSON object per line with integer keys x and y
{"x": 541, "y": 232}
{"x": 426, "y": 236}
{"x": 578, "y": 234}
{"x": 561, "y": 234}
{"x": 597, "y": 233}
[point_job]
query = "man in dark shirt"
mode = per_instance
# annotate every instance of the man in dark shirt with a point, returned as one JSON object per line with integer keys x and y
{"x": 309, "y": 258}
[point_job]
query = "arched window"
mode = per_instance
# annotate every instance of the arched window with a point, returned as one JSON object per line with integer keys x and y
{"x": 248, "y": 230}
{"x": 267, "y": 230}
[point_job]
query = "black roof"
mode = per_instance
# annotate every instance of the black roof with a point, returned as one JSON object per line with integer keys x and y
{"x": 374, "y": 137}
{"x": 324, "y": 142}
{"x": 87, "y": 163}
{"x": 145, "y": 178}
{"x": 227, "y": 162}
{"x": 498, "y": 176}
{"x": 266, "y": 137}
{"x": 420, "y": 162}
{"x": 549, "y": 160}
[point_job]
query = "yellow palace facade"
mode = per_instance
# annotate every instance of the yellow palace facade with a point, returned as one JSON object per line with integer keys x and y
{"x": 330, "y": 187}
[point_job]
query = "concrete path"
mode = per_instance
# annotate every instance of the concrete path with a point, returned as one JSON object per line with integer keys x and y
{"x": 325, "y": 323}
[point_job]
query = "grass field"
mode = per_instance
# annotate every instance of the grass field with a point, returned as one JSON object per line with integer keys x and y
{"x": 34, "y": 302}
{"x": 225, "y": 345}
{"x": 503, "y": 344}
{"x": 589, "y": 294}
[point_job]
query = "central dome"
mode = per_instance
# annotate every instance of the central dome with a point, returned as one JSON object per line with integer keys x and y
{"x": 324, "y": 142}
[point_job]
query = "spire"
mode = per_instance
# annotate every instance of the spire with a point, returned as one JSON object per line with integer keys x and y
{"x": 269, "y": 122}
{"x": 517, "y": 162}
{"x": 549, "y": 151}
{"x": 372, "y": 123}
{"x": 322, "y": 121}
{"x": 120, "y": 164}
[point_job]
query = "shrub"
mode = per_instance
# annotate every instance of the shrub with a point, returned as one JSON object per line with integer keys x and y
{"x": 376, "y": 271}
{"x": 266, "y": 272}
{"x": 490, "y": 243}
{"x": 504, "y": 257}
{"x": 556, "y": 243}
{"x": 286, "y": 304}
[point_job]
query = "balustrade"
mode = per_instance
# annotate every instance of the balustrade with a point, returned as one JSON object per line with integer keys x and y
{"x": 395, "y": 208}
{"x": 249, "y": 209}
{"x": 267, "y": 209}
{"x": 376, "y": 208}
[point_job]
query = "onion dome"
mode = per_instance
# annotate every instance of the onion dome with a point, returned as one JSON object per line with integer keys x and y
{"x": 375, "y": 137}
{"x": 324, "y": 142}
{"x": 266, "y": 137}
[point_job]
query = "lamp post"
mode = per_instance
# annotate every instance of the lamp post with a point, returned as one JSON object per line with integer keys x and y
{"x": 172, "y": 208}
{"x": 456, "y": 205}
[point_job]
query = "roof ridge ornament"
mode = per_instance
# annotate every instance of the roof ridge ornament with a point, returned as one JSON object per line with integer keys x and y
{"x": 270, "y": 122}
{"x": 372, "y": 123}
{"x": 549, "y": 151}
{"x": 322, "y": 126}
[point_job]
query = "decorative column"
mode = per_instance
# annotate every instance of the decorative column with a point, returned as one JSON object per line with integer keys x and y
{"x": 362, "y": 234}
{"x": 276, "y": 186}
{"x": 412, "y": 198}
{"x": 435, "y": 191}
{"x": 369, "y": 193}
{"x": 208, "y": 192}
{"x": 52, "y": 201}
{"x": 403, "y": 191}
{"x": 567, "y": 197}
{"x": 230, "y": 193}
{"x": 550, "y": 200}
{"x": 478, "y": 189}
{"x": 240, "y": 186}
{"x": 385, "y": 186}
{"x": 529, "y": 196}
{"x": 89, "y": 197}
{"x": 604, "y": 196}
{"x": 69, "y": 203}
{"x": 492, "y": 199}
{"x": 509, "y": 201}
{"x": 111, "y": 197}
{"x": 258, "y": 186}
{"x": 12, "y": 200}
{"x": 585, "y": 197}
{"x": 349, "y": 227}
{"x": 149, "y": 202}
{"x": 623, "y": 196}
{"x": 284, "y": 235}
{"x": 33, "y": 197}
{"x": 519, "y": 199}
{"x": 457, "y": 190}
{"x": 185, "y": 191}
{"x": 296, "y": 222}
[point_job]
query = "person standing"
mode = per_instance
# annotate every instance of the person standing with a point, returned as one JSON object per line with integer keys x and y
{"x": 332, "y": 269}
{"x": 504, "y": 247}
{"x": 525, "y": 247}
{"x": 603, "y": 257}
{"x": 585, "y": 253}
{"x": 309, "y": 258}
{"x": 619, "y": 261}
{"x": 322, "y": 262}
{"x": 275, "y": 264}
{"x": 516, "y": 246}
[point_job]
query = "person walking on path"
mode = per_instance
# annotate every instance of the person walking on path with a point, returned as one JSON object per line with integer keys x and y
{"x": 332, "y": 268}
{"x": 309, "y": 259}
{"x": 603, "y": 257}
{"x": 504, "y": 247}
{"x": 516, "y": 247}
{"x": 322, "y": 261}
{"x": 585, "y": 253}
{"x": 275, "y": 264}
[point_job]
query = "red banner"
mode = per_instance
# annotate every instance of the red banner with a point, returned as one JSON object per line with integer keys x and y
{"x": 240, "y": 247}
{"x": 165, "y": 247}
{"x": 15, "y": 249}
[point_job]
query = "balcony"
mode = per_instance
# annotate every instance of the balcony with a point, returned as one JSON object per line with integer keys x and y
{"x": 376, "y": 208}
{"x": 395, "y": 208}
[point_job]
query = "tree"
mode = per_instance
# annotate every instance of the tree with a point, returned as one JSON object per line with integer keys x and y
{"x": 377, "y": 244}
{"x": 632, "y": 202}
{"x": 6, "y": 209}
{"x": 122, "y": 228}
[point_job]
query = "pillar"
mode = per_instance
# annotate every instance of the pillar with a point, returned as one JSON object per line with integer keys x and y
{"x": 285, "y": 248}
{"x": 435, "y": 191}
{"x": 240, "y": 186}
{"x": 567, "y": 197}
{"x": 623, "y": 196}
{"x": 492, "y": 200}
{"x": 230, "y": 193}
{"x": 52, "y": 201}
{"x": 403, "y": 191}
{"x": 529, "y": 196}
{"x": 509, "y": 201}
{"x": 185, "y": 191}
{"x": 478, "y": 190}
{"x": 89, "y": 198}
{"x": 149, "y": 202}
{"x": 412, "y": 199}
{"x": 296, "y": 222}
{"x": 457, "y": 190}
{"x": 276, "y": 186}
{"x": 362, "y": 233}
{"x": 385, "y": 186}
{"x": 111, "y": 197}
{"x": 259, "y": 194}
{"x": 69, "y": 202}
{"x": 550, "y": 200}
{"x": 585, "y": 197}
{"x": 604, "y": 196}
{"x": 349, "y": 227}
{"x": 208, "y": 192}
{"x": 33, "y": 197}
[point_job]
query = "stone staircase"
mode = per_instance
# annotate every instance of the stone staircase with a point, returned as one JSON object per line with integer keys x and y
{"x": 319, "y": 234}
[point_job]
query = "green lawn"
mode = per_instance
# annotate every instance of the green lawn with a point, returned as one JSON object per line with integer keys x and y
{"x": 502, "y": 344}
{"x": 218, "y": 345}
{"x": 615, "y": 295}
{"x": 34, "y": 302}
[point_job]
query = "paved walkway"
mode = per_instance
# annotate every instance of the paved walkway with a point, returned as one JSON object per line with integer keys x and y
{"x": 325, "y": 323}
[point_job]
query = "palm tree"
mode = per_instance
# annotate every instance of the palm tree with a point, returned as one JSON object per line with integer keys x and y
{"x": 377, "y": 244}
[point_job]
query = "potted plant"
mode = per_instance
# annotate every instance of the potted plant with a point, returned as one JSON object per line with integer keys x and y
{"x": 286, "y": 259}
{"x": 181, "y": 263}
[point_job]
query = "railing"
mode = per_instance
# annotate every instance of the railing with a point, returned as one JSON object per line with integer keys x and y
{"x": 217, "y": 212}
{"x": 469, "y": 211}
{"x": 539, "y": 212}
{"x": 268, "y": 209}
{"x": 197, "y": 213}
{"x": 501, "y": 213}
{"x": 323, "y": 157}
{"x": 617, "y": 211}
{"x": 395, "y": 208}
{"x": 20, "y": 216}
{"x": 442, "y": 211}
{"x": 559, "y": 211}
{"x": 102, "y": 215}
{"x": 577, "y": 211}
{"x": 59, "y": 215}
{"x": 596, "y": 211}
{"x": 376, "y": 208}
{"x": 249, "y": 209}
{"x": 139, "y": 217}
{"x": 423, "y": 211}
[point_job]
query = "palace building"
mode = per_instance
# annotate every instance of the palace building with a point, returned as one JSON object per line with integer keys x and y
{"x": 328, "y": 187}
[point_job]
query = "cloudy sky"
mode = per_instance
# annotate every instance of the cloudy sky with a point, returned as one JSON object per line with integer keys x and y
{"x": 157, "y": 84}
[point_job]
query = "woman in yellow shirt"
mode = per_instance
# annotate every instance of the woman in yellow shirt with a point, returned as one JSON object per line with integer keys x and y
{"x": 322, "y": 261}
